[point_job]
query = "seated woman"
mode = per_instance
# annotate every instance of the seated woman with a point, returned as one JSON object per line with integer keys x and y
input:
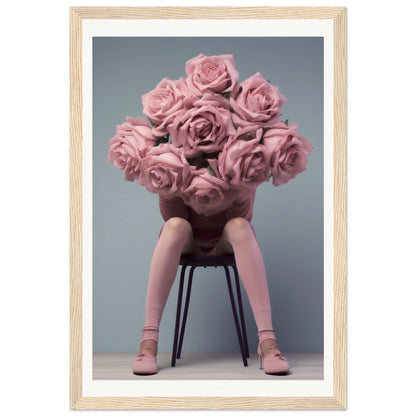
{"x": 228, "y": 232}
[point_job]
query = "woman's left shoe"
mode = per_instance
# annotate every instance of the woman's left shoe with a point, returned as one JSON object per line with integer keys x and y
{"x": 274, "y": 362}
{"x": 145, "y": 363}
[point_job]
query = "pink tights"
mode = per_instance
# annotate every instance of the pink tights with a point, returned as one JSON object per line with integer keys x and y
{"x": 175, "y": 239}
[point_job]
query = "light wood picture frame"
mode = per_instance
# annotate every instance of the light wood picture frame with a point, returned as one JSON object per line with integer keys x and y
{"x": 336, "y": 16}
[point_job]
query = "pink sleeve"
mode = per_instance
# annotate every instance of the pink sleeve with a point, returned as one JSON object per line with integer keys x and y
{"x": 172, "y": 207}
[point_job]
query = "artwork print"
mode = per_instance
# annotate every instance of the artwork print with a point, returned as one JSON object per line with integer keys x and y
{"x": 195, "y": 128}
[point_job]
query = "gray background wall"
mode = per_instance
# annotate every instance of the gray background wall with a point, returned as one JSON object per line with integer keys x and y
{"x": 288, "y": 220}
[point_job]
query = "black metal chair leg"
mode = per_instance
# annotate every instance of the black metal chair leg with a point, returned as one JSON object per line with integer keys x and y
{"x": 236, "y": 320}
{"x": 185, "y": 312}
{"x": 240, "y": 307}
{"x": 178, "y": 316}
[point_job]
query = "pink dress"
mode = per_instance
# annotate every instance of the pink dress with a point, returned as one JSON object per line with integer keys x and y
{"x": 207, "y": 230}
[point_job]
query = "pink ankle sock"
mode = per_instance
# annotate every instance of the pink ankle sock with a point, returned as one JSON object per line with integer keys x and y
{"x": 266, "y": 334}
{"x": 150, "y": 333}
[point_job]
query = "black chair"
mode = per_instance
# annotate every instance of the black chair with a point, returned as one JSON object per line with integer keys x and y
{"x": 209, "y": 261}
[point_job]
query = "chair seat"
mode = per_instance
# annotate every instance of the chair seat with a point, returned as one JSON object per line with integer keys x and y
{"x": 207, "y": 261}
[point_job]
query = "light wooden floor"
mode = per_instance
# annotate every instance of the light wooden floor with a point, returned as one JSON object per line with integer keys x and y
{"x": 204, "y": 366}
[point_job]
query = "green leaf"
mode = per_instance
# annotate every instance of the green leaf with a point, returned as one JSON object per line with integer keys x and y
{"x": 160, "y": 140}
{"x": 227, "y": 95}
{"x": 287, "y": 122}
{"x": 150, "y": 122}
{"x": 210, "y": 170}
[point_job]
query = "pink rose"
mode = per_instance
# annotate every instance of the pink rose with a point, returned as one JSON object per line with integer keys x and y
{"x": 216, "y": 74}
{"x": 257, "y": 102}
{"x": 207, "y": 194}
{"x": 163, "y": 170}
{"x": 288, "y": 152}
{"x": 129, "y": 146}
{"x": 163, "y": 102}
{"x": 204, "y": 127}
{"x": 243, "y": 161}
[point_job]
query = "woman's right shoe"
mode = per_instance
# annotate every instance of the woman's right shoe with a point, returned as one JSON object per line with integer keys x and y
{"x": 145, "y": 363}
{"x": 273, "y": 363}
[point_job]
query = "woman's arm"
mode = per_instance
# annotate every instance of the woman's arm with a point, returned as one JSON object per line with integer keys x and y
{"x": 172, "y": 207}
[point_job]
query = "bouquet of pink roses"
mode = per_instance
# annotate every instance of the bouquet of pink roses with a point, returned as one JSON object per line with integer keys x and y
{"x": 208, "y": 139}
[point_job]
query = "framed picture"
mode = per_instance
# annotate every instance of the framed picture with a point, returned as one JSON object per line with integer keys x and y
{"x": 117, "y": 56}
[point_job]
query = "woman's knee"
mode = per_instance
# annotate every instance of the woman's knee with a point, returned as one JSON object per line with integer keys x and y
{"x": 177, "y": 228}
{"x": 238, "y": 227}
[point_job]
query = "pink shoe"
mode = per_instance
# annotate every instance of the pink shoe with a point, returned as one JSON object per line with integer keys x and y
{"x": 273, "y": 363}
{"x": 145, "y": 363}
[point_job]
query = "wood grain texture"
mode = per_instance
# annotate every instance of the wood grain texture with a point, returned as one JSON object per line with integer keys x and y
{"x": 338, "y": 15}
{"x": 75, "y": 206}
{"x": 207, "y": 403}
{"x": 208, "y": 12}
{"x": 340, "y": 237}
